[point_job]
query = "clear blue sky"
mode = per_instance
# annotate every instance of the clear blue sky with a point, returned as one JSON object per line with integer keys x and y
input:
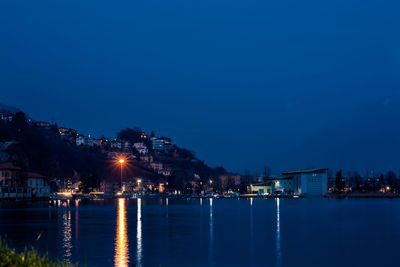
{"x": 289, "y": 84}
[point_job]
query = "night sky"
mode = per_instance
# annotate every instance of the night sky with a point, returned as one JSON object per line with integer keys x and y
{"x": 288, "y": 84}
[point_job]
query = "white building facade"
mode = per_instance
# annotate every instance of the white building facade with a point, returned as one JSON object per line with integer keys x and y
{"x": 313, "y": 182}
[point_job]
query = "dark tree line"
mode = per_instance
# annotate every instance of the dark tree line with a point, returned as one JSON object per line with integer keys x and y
{"x": 388, "y": 182}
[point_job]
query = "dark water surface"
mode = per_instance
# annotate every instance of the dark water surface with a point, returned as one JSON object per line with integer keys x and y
{"x": 205, "y": 232}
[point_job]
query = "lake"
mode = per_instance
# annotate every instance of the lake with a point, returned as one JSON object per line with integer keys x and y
{"x": 209, "y": 232}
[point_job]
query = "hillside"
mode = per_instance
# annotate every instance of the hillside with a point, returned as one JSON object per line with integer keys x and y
{"x": 59, "y": 152}
{"x": 5, "y": 108}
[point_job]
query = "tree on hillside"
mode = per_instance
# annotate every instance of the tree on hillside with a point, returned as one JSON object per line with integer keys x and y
{"x": 130, "y": 135}
{"x": 89, "y": 180}
{"x": 184, "y": 153}
{"x": 177, "y": 179}
{"x": 19, "y": 122}
{"x": 220, "y": 170}
{"x": 339, "y": 181}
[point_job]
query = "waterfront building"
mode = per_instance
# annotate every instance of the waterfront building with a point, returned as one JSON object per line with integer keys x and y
{"x": 313, "y": 182}
{"x": 16, "y": 184}
{"x": 264, "y": 188}
{"x": 109, "y": 187}
{"x": 228, "y": 181}
{"x": 37, "y": 183}
{"x": 282, "y": 185}
{"x": 9, "y": 174}
{"x": 273, "y": 185}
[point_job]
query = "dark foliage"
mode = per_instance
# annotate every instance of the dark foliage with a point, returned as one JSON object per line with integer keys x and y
{"x": 43, "y": 150}
{"x": 339, "y": 182}
{"x": 130, "y": 135}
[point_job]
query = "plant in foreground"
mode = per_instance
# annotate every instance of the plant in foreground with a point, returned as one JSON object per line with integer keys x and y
{"x": 29, "y": 258}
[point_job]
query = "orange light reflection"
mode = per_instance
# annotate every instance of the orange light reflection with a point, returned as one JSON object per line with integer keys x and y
{"x": 121, "y": 243}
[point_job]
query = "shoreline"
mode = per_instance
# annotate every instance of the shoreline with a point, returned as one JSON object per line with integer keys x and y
{"x": 328, "y": 195}
{"x": 362, "y": 195}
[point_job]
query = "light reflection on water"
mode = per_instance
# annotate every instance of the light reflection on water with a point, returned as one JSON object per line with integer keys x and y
{"x": 121, "y": 258}
{"x": 77, "y": 220}
{"x": 211, "y": 233}
{"x": 251, "y": 229}
{"x": 139, "y": 249}
{"x": 67, "y": 235}
{"x": 219, "y": 235}
{"x": 278, "y": 235}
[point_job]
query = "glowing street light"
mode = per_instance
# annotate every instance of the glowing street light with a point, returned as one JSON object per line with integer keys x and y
{"x": 121, "y": 162}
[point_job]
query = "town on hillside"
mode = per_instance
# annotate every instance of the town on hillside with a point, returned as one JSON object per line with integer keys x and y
{"x": 39, "y": 160}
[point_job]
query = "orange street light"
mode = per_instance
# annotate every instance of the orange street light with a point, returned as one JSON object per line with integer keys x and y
{"x": 121, "y": 162}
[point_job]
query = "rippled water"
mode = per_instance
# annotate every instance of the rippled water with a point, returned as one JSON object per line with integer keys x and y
{"x": 209, "y": 232}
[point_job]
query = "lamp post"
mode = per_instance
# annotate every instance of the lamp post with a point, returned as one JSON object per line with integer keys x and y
{"x": 121, "y": 162}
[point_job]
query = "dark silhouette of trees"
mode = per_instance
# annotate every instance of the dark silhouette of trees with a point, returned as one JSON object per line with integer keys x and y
{"x": 177, "y": 179}
{"x": 355, "y": 181}
{"x": 379, "y": 182}
{"x": 44, "y": 151}
{"x": 131, "y": 135}
{"x": 390, "y": 179}
{"x": 19, "y": 122}
{"x": 339, "y": 181}
{"x": 266, "y": 173}
{"x": 230, "y": 183}
{"x": 89, "y": 180}
{"x": 220, "y": 170}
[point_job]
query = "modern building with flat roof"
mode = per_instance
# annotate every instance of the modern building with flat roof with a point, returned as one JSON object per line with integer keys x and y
{"x": 264, "y": 188}
{"x": 313, "y": 182}
{"x": 272, "y": 185}
{"x": 282, "y": 185}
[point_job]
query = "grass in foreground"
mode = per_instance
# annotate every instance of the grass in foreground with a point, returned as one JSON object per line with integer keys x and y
{"x": 28, "y": 258}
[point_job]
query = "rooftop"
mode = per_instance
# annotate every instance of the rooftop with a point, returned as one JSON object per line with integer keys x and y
{"x": 280, "y": 178}
{"x": 305, "y": 171}
{"x": 32, "y": 175}
{"x": 9, "y": 166}
{"x": 269, "y": 183}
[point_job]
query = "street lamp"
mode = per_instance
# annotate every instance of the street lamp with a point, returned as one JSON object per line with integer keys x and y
{"x": 121, "y": 162}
